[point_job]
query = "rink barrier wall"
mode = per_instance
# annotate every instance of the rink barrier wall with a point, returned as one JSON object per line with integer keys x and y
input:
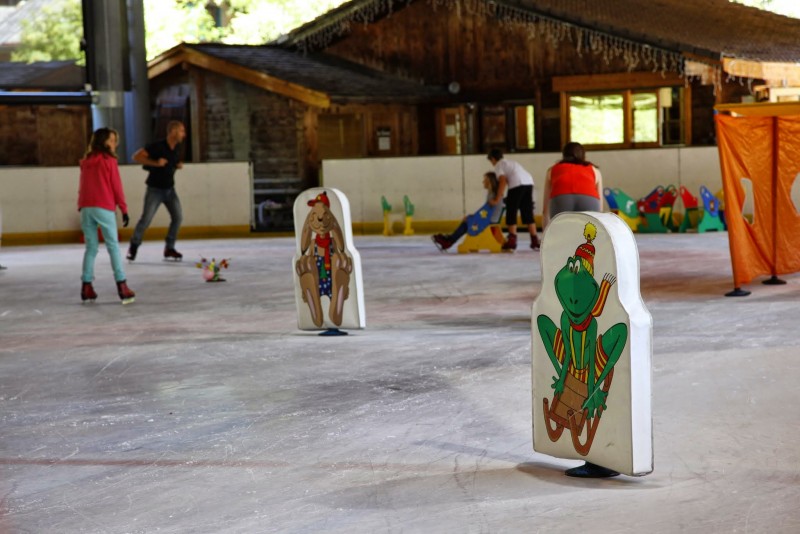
{"x": 39, "y": 204}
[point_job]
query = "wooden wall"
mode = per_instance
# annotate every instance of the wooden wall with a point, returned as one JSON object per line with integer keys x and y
{"x": 494, "y": 61}
{"x": 43, "y": 135}
{"x": 489, "y": 58}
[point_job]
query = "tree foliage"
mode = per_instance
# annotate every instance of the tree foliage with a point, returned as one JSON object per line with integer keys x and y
{"x": 54, "y": 34}
{"x": 56, "y": 31}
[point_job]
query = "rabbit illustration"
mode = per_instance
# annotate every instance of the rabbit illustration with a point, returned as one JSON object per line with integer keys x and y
{"x": 323, "y": 268}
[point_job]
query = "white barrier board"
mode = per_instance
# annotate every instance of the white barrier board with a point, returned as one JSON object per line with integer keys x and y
{"x": 592, "y": 346}
{"x": 327, "y": 266}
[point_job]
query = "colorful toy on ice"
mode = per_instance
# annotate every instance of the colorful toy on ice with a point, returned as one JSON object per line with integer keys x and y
{"x": 211, "y": 269}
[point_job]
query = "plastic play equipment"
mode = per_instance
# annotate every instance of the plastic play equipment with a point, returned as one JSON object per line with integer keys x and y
{"x": 608, "y": 194}
{"x": 482, "y": 234}
{"x": 656, "y": 210}
{"x": 712, "y": 219}
{"x": 387, "y": 211}
{"x": 691, "y": 213}
{"x": 408, "y": 209}
{"x": 626, "y": 208}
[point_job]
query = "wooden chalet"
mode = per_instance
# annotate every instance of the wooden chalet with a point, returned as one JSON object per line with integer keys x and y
{"x": 414, "y": 77}
{"x": 285, "y": 112}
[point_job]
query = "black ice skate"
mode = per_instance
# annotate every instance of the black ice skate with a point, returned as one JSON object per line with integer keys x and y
{"x": 132, "y": 250}
{"x": 172, "y": 254}
{"x": 125, "y": 294}
{"x": 87, "y": 292}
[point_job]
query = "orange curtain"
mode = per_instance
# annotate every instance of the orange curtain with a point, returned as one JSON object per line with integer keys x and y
{"x": 765, "y": 150}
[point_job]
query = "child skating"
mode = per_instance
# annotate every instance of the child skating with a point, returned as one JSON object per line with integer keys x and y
{"x": 99, "y": 195}
{"x": 490, "y": 183}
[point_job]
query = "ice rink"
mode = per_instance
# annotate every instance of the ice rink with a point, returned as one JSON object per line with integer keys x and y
{"x": 201, "y": 408}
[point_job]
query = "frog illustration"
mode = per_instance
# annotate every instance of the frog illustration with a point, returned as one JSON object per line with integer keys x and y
{"x": 584, "y": 361}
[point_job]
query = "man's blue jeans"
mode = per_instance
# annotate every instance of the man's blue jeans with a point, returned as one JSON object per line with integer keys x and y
{"x": 153, "y": 198}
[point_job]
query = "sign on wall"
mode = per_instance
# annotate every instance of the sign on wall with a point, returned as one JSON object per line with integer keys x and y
{"x": 591, "y": 346}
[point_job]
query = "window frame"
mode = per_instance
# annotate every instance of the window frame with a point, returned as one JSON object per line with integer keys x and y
{"x": 625, "y": 84}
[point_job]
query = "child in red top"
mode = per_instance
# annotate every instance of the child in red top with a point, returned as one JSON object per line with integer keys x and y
{"x": 99, "y": 195}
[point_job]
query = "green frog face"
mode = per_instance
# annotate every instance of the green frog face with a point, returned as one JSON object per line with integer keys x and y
{"x": 576, "y": 289}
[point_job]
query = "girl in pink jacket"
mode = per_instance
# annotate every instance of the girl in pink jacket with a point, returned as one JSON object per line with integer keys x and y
{"x": 98, "y": 197}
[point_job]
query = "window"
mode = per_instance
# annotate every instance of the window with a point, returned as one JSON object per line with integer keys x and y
{"x": 626, "y": 119}
{"x": 597, "y": 119}
{"x": 645, "y": 118}
{"x": 525, "y": 128}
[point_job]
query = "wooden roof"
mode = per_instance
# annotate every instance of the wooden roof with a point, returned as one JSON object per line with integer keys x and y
{"x": 315, "y": 79}
{"x": 744, "y": 40}
{"x": 52, "y": 75}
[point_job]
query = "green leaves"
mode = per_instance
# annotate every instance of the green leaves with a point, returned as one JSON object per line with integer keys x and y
{"x": 56, "y": 31}
{"x": 54, "y": 34}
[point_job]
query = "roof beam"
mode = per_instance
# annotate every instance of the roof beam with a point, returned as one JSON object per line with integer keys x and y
{"x": 183, "y": 54}
{"x": 610, "y": 82}
{"x": 772, "y": 72}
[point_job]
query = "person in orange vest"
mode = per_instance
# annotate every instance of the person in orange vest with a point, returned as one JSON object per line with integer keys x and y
{"x": 572, "y": 184}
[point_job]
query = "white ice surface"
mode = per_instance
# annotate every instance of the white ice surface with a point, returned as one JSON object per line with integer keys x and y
{"x": 202, "y": 408}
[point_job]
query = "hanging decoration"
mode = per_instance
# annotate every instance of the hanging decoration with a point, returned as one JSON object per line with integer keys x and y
{"x": 635, "y": 55}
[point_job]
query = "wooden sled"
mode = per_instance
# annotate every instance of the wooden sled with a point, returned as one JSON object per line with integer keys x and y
{"x": 566, "y": 413}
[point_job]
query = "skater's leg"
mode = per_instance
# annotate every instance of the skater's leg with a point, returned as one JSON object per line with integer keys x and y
{"x": 107, "y": 220}
{"x": 89, "y": 227}
{"x": 173, "y": 204}
{"x": 461, "y": 230}
{"x": 152, "y": 199}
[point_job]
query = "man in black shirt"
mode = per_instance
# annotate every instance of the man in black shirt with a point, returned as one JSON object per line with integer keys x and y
{"x": 161, "y": 159}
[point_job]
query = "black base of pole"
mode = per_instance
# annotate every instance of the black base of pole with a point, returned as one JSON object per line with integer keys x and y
{"x": 737, "y": 292}
{"x": 589, "y": 470}
{"x": 333, "y": 332}
{"x": 774, "y": 281}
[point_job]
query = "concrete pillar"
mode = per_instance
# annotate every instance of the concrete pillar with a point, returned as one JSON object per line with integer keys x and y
{"x": 117, "y": 70}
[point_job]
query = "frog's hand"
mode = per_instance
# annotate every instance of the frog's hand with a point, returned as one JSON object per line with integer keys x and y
{"x": 596, "y": 399}
{"x": 605, "y": 288}
{"x": 595, "y": 403}
{"x": 558, "y": 385}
